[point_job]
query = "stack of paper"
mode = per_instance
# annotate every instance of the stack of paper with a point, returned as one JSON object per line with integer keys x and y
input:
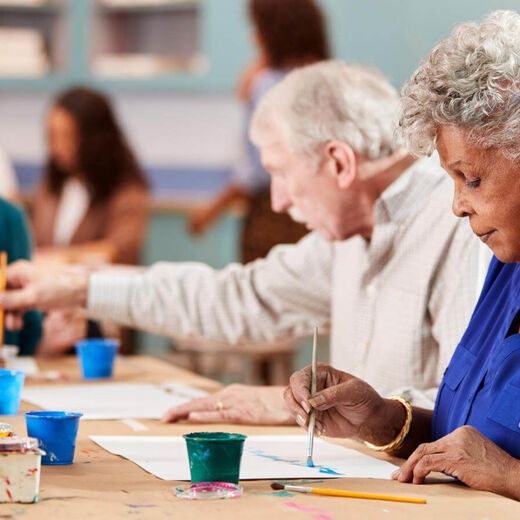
{"x": 22, "y": 53}
{"x": 112, "y": 400}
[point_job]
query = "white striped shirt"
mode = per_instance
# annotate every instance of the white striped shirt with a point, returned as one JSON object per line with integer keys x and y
{"x": 395, "y": 307}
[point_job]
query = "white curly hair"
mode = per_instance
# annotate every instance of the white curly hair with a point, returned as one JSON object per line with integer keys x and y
{"x": 471, "y": 80}
{"x": 330, "y": 100}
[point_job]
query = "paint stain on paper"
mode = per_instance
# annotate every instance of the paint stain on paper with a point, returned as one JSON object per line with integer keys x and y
{"x": 294, "y": 462}
{"x": 315, "y": 512}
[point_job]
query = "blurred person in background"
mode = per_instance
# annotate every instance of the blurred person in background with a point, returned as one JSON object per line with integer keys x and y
{"x": 15, "y": 240}
{"x": 9, "y": 188}
{"x": 286, "y": 35}
{"x": 92, "y": 204}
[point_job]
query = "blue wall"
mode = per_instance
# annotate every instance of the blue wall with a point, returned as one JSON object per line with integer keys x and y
{"x": 394, "y": 35}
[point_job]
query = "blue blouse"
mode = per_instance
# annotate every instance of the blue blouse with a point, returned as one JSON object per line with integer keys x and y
{"x": 481, "y": 386}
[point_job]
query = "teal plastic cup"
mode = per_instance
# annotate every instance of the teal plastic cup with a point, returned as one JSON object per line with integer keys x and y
{"x": 11, "y": 384}
{"x": 215, "y": 456}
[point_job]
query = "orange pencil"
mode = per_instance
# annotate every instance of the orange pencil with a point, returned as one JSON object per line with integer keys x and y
{"x": 3, "y": 273}
{"x": 348, "y": 494}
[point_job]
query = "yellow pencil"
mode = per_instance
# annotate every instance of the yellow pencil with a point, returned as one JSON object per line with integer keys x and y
{"x": 349, "y": 494}
{"x": 3, "y": 274}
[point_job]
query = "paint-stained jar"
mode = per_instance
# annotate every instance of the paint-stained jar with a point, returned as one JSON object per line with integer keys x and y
{"x": 20, "y": 467}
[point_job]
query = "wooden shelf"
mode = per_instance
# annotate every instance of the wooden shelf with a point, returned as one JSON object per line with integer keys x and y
{"x": 173, "y": 6}
{"x": 45, "y": 8}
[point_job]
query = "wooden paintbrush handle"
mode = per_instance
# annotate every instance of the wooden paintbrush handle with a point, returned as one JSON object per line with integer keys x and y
{"x": 371, "y": 496}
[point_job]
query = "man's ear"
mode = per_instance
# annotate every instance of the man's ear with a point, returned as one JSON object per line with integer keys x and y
{"x": 343, "y": 160}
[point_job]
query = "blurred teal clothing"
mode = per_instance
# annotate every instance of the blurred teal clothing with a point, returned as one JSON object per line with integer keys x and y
{"x": 15, "y": 239}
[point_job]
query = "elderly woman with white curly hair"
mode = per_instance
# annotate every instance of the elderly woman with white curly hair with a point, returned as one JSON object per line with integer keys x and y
{"x": 464, "y": 101}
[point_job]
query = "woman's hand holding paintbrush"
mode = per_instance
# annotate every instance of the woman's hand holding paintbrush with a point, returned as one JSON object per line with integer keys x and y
{"x": 345, "y": 406}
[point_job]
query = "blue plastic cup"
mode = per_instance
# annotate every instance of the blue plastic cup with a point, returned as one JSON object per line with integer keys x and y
{"x": 56, "y": 433}
{"x": 11, "y": 384}
{"x": 96, "y": 357}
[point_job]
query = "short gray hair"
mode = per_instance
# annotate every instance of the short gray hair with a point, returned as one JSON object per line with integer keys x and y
{"x": 471, "y": 80}
{"x": 331, "y": 100}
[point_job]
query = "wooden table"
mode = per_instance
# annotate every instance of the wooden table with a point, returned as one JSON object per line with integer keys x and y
{"x": 100, "y": 485}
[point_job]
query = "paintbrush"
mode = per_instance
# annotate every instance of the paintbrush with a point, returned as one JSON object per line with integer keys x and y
{"x": 3, "y": 276}
{"x": 312, "y": 418}
{"x": 348, "y": 494}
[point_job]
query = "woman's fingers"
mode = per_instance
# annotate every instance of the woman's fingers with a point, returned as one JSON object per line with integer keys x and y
{"x": 300, "y": 385}
{"x": 295, "y": 408}
{"x": 350, "y": 392}
{"x": 422, "y": 468}
{"x": 406, "y": 472}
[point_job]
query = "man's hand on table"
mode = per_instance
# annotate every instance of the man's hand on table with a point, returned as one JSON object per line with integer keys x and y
{"x": 31, "y": 286}
{"x": 239, "y": 404}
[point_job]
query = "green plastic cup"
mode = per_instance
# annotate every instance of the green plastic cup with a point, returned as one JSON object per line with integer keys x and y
{"x": 215, "y": 456}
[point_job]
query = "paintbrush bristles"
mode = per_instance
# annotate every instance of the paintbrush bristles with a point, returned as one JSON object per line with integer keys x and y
{"x": 277, "y": 486}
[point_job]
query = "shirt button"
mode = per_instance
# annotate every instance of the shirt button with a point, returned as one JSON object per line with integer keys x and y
{"x": 371, "y": 289}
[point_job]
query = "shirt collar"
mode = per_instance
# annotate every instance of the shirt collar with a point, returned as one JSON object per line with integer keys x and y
{"x": 405, "y": 194}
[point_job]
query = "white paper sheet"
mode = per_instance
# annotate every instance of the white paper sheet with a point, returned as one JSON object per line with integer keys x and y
{"x": 112, "y": 400}
{"x": 265, "y": 457}
{"x": 24, "y": 364}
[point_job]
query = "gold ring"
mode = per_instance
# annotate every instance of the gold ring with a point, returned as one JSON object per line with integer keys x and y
{"x": 220, "y": 405}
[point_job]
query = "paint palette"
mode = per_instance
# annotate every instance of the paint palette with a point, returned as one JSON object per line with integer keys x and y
{"x": 208, "y": 491}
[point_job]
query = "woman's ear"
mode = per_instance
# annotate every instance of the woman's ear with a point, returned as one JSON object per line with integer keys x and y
{"x": 343, "y": 160}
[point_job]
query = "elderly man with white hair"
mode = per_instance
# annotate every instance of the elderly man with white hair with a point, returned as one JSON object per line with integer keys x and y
{"x": 389, "y": 272}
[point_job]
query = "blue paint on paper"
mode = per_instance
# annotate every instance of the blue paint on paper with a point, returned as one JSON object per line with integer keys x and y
{"x": 322, "y": 469}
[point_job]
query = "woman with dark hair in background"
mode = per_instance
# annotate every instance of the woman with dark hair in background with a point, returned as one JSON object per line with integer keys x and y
{"x": 93, "y": 199}
{"x": 93, "y": 189}
{"x": 287, "y": 34}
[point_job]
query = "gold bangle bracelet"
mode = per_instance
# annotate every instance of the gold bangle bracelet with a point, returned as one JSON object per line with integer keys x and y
{"x": 401, "y": 436}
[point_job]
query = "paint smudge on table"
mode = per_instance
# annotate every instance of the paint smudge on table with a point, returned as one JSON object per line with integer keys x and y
{"x": 294, "y": 462}
{"x": 315, "y": 512}
{"x": 283, "y": 493}
{"x": 286, "y": 494}
{"x": 298, "y": 482}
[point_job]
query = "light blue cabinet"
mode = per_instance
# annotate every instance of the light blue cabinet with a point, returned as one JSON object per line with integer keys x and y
{"x": 221, "y": 33}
